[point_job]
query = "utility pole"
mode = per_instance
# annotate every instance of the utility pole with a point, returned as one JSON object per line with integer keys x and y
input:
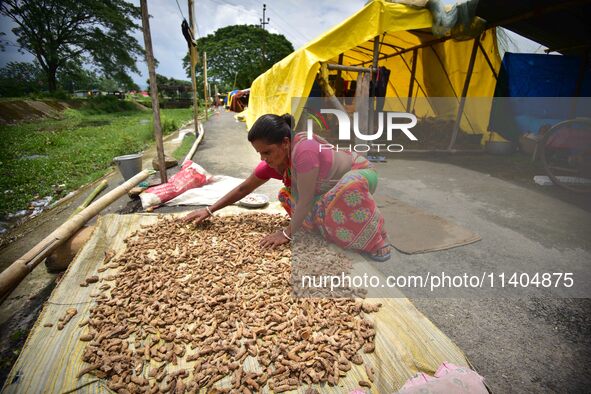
{"x": 263, "y": 44}
{"x": 194, "y": 56}
{"x": 153, "y": 90}
{"x": 263, "y": 23}
{"x": 205, "y": 82}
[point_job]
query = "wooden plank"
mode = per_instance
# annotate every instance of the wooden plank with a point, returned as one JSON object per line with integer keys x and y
{"x": 362, "y": 103}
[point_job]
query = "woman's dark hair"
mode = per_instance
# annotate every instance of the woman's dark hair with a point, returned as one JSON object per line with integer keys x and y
{"x": 271, "y": 128}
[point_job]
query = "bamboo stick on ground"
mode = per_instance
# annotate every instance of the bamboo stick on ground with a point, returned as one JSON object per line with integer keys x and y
{"x": 17, "y": 271}
{"x": 97, "y": 190}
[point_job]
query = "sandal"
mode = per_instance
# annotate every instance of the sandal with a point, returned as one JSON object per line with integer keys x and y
{"x": 379, "y": 257}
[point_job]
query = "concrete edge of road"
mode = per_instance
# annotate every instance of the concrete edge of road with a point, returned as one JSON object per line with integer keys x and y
{"x": 201, "y": 131}
{"x": 193, "y": 149}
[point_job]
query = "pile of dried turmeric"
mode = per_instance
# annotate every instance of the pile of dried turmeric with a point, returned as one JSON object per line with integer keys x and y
{"x": 183, "y": 308}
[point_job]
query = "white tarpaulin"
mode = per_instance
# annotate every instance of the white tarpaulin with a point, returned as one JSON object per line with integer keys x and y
{"x": 207, "y": 194}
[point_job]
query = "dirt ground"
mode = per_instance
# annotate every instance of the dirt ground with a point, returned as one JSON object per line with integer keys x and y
{"x": 14, "y": 111}
{"x": 537, "y": 342}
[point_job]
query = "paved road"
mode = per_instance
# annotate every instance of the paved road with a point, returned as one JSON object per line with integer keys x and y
{"x": 225, "y": 150}
{"x": 537, "y": 343}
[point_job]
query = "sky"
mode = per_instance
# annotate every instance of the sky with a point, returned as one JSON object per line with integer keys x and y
{"x": 298, "y": 20}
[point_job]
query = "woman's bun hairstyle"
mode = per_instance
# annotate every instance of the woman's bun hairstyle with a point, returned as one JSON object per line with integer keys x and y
{"x": 290, "y": 120}
{"x": 271, "y": 128}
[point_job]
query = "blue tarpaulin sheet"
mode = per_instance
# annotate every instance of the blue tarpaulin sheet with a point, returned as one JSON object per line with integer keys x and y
{"x": 525, "y": 85}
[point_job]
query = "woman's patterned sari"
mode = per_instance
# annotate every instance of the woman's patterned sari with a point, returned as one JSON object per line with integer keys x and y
{"x": 344, "y": 211}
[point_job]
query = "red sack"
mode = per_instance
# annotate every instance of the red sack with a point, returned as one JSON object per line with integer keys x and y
{"x": 190, "y": 176}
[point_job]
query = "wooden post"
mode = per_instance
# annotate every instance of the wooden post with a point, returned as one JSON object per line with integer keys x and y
{"x": 361, "y": 100}
{"x": 456, "y": 128}
{"x": 153, "y": 90}
{"x": 412, "y": 80}
{"x": 194, "y": 56}
{"x": 205, "y": 83}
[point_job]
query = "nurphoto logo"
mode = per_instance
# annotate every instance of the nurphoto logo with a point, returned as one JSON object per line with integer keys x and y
{"x": 390, "y": 119}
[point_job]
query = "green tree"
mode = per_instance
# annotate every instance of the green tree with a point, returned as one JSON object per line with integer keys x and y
{"x": 72, "y": 76}
{"x": 238, "y": 52}
{"x": 84, "y": 31}
{"x": 20, "y": 78}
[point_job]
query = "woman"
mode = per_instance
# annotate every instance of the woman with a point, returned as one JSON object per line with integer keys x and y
{"x": 325, "y": 190}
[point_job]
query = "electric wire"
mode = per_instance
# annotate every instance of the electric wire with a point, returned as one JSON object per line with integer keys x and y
{"x": 181, "y": 11}
{"x": 306, "y": 38}
{"x": 283, "y": 29}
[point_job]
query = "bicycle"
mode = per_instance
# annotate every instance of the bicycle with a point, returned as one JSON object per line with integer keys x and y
{"x": 566, "y": 154}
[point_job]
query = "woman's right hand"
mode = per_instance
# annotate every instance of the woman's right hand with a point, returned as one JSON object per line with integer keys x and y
{"x": 197, "y": 216}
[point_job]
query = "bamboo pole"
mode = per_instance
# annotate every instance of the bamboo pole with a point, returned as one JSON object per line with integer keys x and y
{"x": 339, "y": 82}
{"x": 235, "y": 78}
{"x": 412, "y": 80}
{"x": 153, "y": 90}
{"x": 17, "y": 271}
{"x": 340, "y": 67}
{"x": 205, "y": 83}
{"x": 97, "y": 190}
{"x": 492, "y": 69}
{"x": 456, "y": 128}
{"x": 372, "y": 99}
{"x": 194, "y": 56}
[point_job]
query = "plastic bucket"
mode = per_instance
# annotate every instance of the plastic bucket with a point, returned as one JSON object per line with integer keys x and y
{"x": 129, "y": 165}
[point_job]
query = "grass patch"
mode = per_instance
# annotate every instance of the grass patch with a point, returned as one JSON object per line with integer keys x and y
{"x": 184, "y": 148}
{"x": 71, "y": 151}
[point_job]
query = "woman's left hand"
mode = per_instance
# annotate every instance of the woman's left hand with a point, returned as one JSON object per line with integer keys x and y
{"x": 273, "y": 240}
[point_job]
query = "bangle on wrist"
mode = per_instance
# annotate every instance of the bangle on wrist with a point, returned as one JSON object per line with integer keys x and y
{"x": 285, "y": 235}
{"x": 209, "y": 211}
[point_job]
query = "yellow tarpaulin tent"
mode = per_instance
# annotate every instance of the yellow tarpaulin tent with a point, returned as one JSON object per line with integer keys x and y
{"x": 441, "y": 65}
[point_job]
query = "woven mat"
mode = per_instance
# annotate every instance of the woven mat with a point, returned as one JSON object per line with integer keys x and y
{"x": 413, "y": 230}
{"x": 406, "y": 341}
